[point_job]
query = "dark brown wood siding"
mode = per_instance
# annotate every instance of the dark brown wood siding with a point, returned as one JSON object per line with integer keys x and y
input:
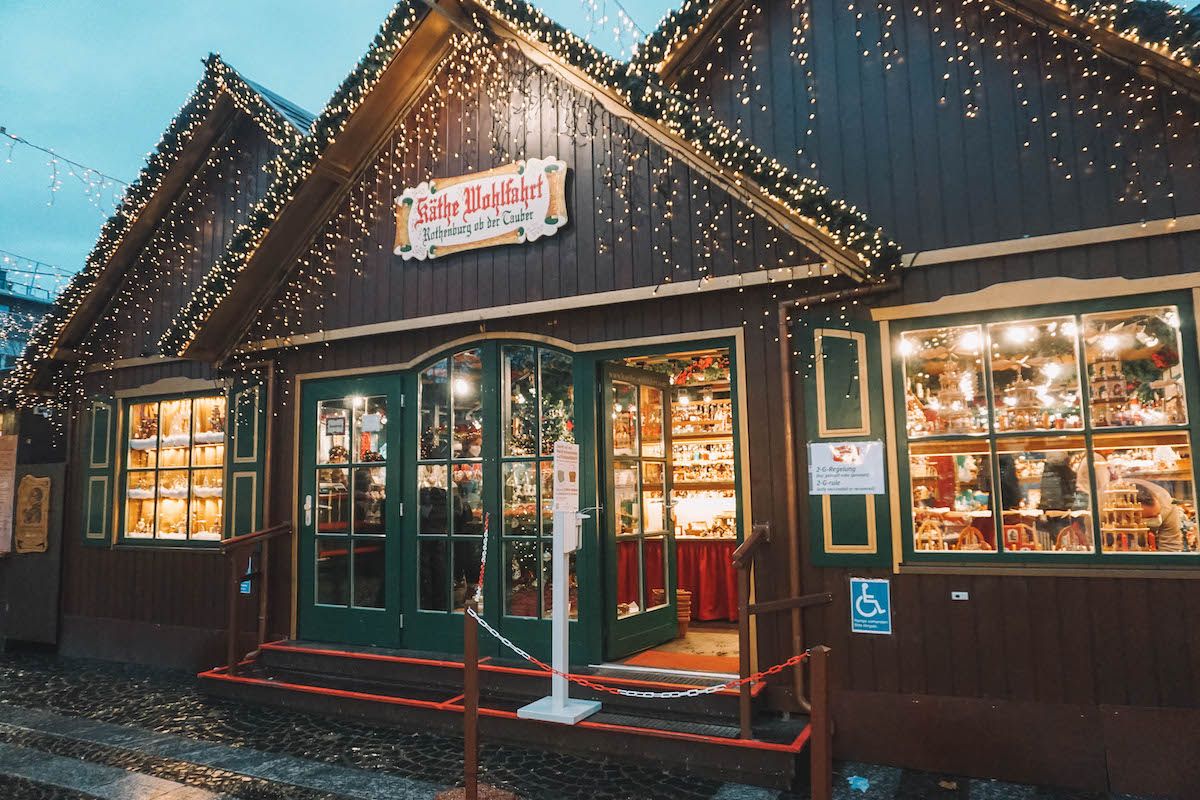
{"x": 1048, "y": 137}
{"x": 638, "y": 217}
{"x": 189, "y": 240}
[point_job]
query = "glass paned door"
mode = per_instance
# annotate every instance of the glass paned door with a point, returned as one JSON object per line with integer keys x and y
{"x": 637, "y": 482}
{"x": 349, "y": 514}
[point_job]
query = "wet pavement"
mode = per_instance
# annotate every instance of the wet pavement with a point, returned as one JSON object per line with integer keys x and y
{"x": 88, "y": 729}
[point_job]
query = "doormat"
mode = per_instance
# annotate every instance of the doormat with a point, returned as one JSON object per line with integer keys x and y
{"x": 684, "y": 661}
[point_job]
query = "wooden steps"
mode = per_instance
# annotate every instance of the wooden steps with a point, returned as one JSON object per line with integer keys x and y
{"x": 424, "y": 691}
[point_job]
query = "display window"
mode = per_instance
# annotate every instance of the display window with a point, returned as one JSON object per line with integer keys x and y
{"x": 174, "y": 470}
{"x": 1049, "y": 437}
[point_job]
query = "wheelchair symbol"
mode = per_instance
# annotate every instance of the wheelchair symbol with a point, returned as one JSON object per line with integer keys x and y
{"x": 867, "y": 600}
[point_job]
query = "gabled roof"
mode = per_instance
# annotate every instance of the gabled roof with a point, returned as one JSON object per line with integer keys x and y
{"x": 1156, "y": 38}
{"x": 419, "y": 36}
{"x": 180, "y": 152}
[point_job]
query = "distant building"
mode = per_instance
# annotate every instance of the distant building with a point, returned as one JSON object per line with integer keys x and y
{"x": 22, "y": 306}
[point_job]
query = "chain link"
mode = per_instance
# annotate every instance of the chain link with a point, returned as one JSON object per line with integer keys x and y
{"x": 582, "y": 681}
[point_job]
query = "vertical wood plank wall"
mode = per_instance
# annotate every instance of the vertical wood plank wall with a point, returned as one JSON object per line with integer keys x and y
{"x": 1036, "y": 157}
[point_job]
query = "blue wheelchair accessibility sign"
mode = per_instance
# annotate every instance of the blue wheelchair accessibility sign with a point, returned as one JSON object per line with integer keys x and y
{"x": 870, "y": 605}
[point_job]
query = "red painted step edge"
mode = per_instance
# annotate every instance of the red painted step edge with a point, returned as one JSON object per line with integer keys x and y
{"x": 748, "y": 744}
{"x": 757, "y": 688}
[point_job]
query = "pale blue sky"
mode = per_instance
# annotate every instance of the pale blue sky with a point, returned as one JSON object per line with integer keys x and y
{"x": 100, "y": 81}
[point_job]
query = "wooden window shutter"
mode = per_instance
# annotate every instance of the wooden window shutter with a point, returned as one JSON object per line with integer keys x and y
{"x": 246, "y": 428}
{"x": 843, "y": 402}
{"x": 99, "y": 461}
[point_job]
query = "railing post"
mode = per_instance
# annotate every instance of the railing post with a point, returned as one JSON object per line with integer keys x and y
{"x": 821, "y": 736}
{"x": 744, "y": 711}
{"x": 231, "y": 614}
{"x": 471, "y": 702}
{"x": 264, "y": 587}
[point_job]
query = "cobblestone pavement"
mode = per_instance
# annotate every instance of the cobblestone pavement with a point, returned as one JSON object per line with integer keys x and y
{"x": 80, "y": 729}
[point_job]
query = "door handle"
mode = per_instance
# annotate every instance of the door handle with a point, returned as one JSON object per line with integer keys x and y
{"x": 308, "y": 510}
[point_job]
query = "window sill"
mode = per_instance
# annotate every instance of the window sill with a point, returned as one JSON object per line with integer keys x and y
{"x": 1174, "y": 571}
{"x": 196, "y": 547}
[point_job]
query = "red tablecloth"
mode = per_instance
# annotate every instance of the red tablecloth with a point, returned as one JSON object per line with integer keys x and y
{"x": 702, "y": 567}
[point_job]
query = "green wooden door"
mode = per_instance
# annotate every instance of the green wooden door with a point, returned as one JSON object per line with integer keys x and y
{"x": 639, "y": 536}
{"x": 350, "y": 511}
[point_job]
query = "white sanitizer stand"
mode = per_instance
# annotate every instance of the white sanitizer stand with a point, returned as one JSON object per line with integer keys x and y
{"x": 559, "y": 707}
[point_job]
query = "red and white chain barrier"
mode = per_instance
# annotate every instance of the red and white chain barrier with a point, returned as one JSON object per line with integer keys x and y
{"x": 582, "y": 681}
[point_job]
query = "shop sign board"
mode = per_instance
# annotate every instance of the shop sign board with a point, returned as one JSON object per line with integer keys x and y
{"x": 845, "y": 468}
{"x": 870, "y": 606}
{"x": 33, "y": 514}
{"x": 512, "y": 204}
{"x": 566, "y": 476}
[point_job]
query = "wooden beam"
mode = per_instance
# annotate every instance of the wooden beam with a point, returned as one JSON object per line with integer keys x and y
{"x": 398, "y": 89}
{"x": 804, "y": 601}
{"x": 679, "y": 61}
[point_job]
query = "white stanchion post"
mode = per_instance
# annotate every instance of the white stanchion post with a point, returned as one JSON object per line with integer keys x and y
{"x": 559, "y": 707}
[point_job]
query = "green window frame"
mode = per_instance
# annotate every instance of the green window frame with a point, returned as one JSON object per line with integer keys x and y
{"x": 991, "y": 428}
{"x": 180, "y": 473}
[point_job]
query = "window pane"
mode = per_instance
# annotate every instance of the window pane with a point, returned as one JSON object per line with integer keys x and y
{"x": 333, "y": 501}
{"x": 433, "y": 574}
{"x": 519, "y": 396}
{"x": 652, "y": 421}
{"x": 654, "y": 553}
{"x": 209, "y": 421}
{"x": 467, "y": 555}
{"x": 629, "y": 577}
{"x": 520, "y": 499}
{"x": 468, "y": 499}
{"x": 557, "y": 400}
{"x": 143, "y": 436}
{"x": 333, "y": 432}
{"x": 139, "y": 504}
{"x": 522, "y": 596}
{"x": 333, "y": 570}
{"x": 176, "y": 425}
{"x": 624, "y": 415}
{"x": 432, "y": 496}
{"x": 1134, "y": 373}
{"x": 1045, "y": 508}
{"x": 172, "y": 504}
{"x": 952, "y": 496}
{"x": 943, "y": 389}
{"x": 548, "y": 583}
{"x": 370, "y": 496}
{"x": 468, "y": 404}
{"x": 1146, "y": 490}
{"x": 370, "y": 560}
{"x": 625, "y": 496}
{"x": 370, "y": 429}
{"x": 1035, "y": 374}
{"x": 434, "y": 401}
{"x": 653, "y": 513}
{"x": 206, "y": 508}
{"x": 547, "y": 498}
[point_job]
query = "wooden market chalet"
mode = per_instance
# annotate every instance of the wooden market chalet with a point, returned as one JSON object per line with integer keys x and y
{"x": 823, "y": 291}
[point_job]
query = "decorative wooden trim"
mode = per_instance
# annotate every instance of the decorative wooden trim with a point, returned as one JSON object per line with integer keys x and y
{"x": 1053, "y": 241}
{"x": 127, "y": 363}
{"x": 1173, "y": 573}
{"x": 165, "y": 386}
{"x": 1020, "y": 294}
{"x": 872, "y": 545}
{"x": 893, "y": 455}
{"x": 864, "y": 414}
{"x": 591, "y": 300}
